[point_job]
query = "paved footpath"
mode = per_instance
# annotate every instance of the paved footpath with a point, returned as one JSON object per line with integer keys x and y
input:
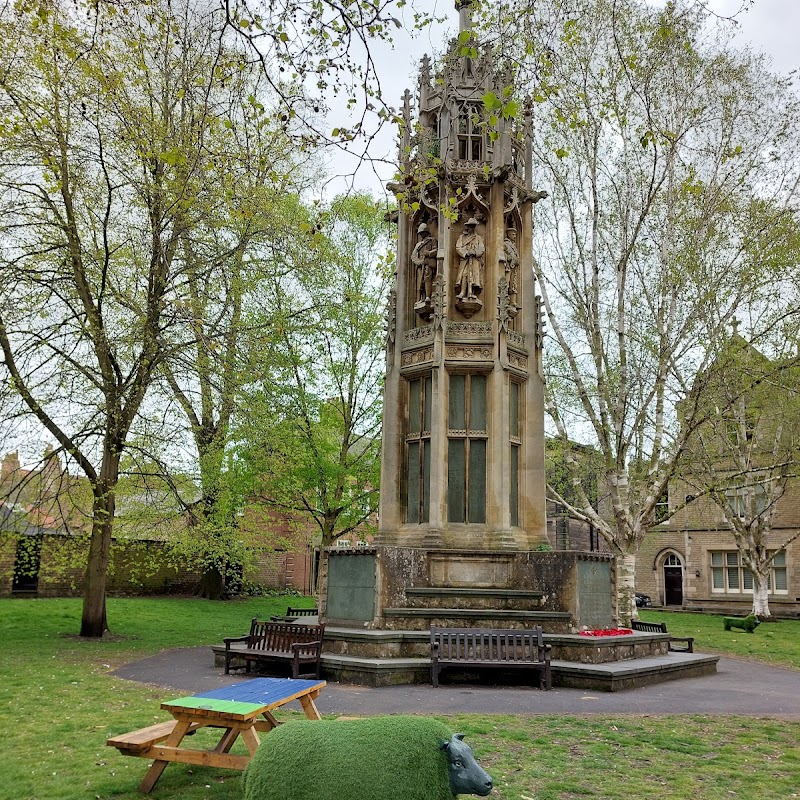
{"x": 738, "y": 687}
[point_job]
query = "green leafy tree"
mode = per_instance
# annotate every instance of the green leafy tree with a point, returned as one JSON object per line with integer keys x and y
{"x": 243, "y": 211}
{"x": 315, "y": 426}
{"x": 104, "y": 119}
{"x": 318, "y": 53}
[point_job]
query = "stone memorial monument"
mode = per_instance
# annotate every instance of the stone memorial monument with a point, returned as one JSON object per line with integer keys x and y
{"x": 462, "y": 535}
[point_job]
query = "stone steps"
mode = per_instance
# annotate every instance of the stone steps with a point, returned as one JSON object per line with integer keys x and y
{"x": 608, "y": 677}
{"x": 468, "y": 598}
{"x": 425, "y": 617}
{"x": 618, "y": 675}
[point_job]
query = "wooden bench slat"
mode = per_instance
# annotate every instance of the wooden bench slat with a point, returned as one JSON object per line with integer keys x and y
{"x": 302, "y": 612}
{"x": 142, "y": 738}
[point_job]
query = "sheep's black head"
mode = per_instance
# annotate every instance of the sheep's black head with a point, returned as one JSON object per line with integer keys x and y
{"x": 467, "y": 776}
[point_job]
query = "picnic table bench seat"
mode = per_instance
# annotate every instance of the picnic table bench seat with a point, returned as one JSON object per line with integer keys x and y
{"x": 278, "y": 642}
{"x": 686, "y": 642}
{"x": 494, "y": 648}
{"x": 140, "y": 740}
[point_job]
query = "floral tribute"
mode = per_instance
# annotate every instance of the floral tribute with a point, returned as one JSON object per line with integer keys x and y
{"x": 607, "y": 632}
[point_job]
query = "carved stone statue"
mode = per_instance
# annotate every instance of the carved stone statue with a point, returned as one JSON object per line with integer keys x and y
{"x": 423, "y": 257}
{"x": 470, "y": 247}
{"x": 511, "y": 253}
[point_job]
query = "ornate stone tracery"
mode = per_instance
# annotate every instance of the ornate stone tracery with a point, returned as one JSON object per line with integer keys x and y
{"x": 503, "y": 316}
{"x": 465, "y": 312}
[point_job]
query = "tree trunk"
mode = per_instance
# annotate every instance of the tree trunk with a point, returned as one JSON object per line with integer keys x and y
{"x": 94, "y": 621}
{"x": 626, "y": 588}
{"x": 760, "y": 597}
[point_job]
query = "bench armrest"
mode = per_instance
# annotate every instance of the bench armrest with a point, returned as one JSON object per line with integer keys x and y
{"x": 230, "y": 639}
{"x": 297, "y": 646}
{"x": 687, "y": 640}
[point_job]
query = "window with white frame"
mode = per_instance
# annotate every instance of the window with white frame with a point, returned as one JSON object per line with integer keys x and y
{"x": 748, "y": 502}
{"x": 730, "y": 576}
{"x": 662, "y": 508}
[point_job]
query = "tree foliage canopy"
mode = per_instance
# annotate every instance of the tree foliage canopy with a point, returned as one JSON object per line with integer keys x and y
{"x": 670, "y": 159}
{"x": 318, "y": 387}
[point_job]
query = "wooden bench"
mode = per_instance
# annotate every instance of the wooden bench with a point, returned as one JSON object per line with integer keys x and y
{"x": 282, "y": 642}
{"x": 661, "y": 627}
{"x": 492, "y": 648}
{"x": 293, "y": 613}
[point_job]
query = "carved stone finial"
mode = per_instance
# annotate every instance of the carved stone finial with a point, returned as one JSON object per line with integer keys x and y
{"x": 407, "y": 108}
{"x": 439, "y": 301}
{"x": 503, "y": 315}
{"x": 425, "y": 69}
{"x": 464, "y": 8}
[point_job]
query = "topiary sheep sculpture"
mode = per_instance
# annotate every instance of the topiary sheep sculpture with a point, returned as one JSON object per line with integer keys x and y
{"x": 748, "y": 623}
{"x": 397, "y": 758}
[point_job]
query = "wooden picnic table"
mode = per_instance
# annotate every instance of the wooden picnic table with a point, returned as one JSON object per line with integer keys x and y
{"x": 242, "y": 709}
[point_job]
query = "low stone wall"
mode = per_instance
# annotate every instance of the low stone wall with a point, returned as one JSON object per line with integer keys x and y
{"x": 136, "y": 567}
{"x": 605, "y": 649}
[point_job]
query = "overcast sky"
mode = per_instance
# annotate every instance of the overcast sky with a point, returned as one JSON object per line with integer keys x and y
{"x": 772, "y": 26}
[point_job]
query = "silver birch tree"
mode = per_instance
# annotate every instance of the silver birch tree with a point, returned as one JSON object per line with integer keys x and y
{"x": 669, "y": 159}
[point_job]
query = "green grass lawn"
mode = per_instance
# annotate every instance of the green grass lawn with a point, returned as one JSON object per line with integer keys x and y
{"x": 59, "y": 702}
{"x": 776, "y": 643}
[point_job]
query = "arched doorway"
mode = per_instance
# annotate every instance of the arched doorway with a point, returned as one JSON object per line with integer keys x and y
{"x": 673, "y": 581}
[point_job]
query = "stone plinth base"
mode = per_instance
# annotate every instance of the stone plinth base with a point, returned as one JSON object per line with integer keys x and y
{"x": 392, "y": 658}
{"x": 425, "y": 618}
{"x": 407, "y": 588}
{"x": 607, "y": 649}
{"x": 385, "y": 644}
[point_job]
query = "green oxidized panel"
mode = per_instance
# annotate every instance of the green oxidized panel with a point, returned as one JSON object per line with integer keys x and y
{"x": 594, "y": 594}
{"x": 351, "y": 587}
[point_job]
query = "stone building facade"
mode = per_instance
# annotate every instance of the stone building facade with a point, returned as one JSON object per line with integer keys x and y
{"x": 691, "y": 561}
{"x": 738, "y": 474}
